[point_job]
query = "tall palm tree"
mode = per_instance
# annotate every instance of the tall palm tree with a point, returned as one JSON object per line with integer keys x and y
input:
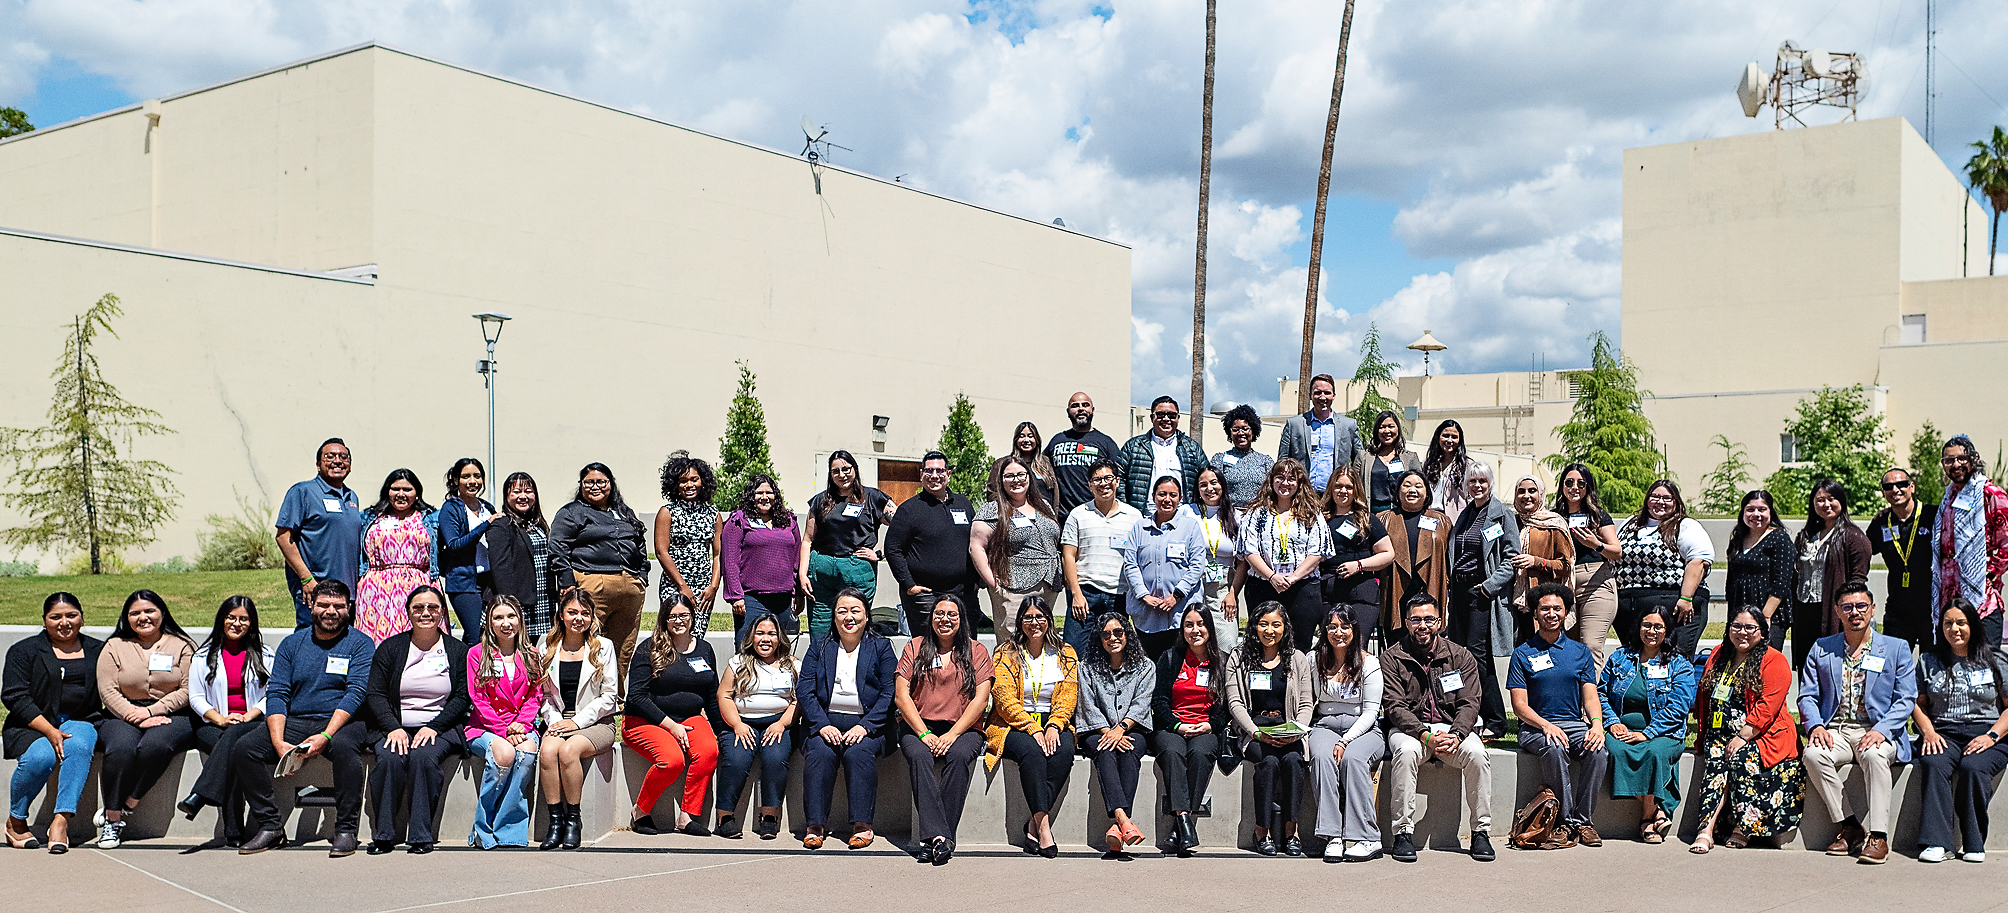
{"x": 1198, "y": 423}
{"x": 1318, "y": 221}
{"x": 1987, "y": 172}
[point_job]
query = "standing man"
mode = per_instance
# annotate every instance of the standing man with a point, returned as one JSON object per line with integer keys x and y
{"x": 927, "y": 546}
{"x": 1895, "y": 533}
{"x": 1162, "y": 451}
{"x": 319, "y": 676}
{"x": 1430, "y": 696}
{"x": 1855, "y": 695}
{"x": 321, "y": 530}
{"x": 1074, "y": 452}
{"x": 1091, "y": 560}
{"x": 1321, "y": 439}
{"x": 1970, "y": 541}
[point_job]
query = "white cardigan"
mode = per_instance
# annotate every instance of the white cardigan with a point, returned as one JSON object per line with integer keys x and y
{"x": 598, "y": 695}
{"x": 208, "y": 692}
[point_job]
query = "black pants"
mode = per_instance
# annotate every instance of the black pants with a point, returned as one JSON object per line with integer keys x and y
{"x": 414, "y": 780}
{"x": 1279, "y": 773}
{"x": 1301, "y": 602}
{"x": 1115, "y": 770}
{"x": 1806, "y": 617}
{"x": 1957, "y": 788}
{"x": 1187, "y": 763}
{"x": 1360, "y": 596}
{"x": 1041, "y": 775}
{"x": 1159, "y": 643}
{"x": 135, "y": 757}
{"x": 1471, "y": 628}
{"x": 940, "y": 785}
{"x": 918, "y": 608}
{"x": 1683, "y": 638}
{"x": 256, "y": 756}
{"x": 218, "y": 783}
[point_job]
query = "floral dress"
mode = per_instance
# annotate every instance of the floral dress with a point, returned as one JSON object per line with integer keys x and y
{"x": 398, "y": 556}
{"x": 692, "y": 524}
{"x": 1762, "y": 801}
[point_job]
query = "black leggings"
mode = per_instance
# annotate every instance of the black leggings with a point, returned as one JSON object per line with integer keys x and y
{"x": 135, "y": 757}
{"x": 1302, "y": 602}
{"x": 1041, "y": 775}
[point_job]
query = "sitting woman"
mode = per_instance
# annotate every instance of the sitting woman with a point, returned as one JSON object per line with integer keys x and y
{"x": 143, "y": 681}
{"x": 1269, "y": 684}
{"x": 416, "y": 706}
{"x": 1345, "y": 740}
{"x": 1031, "y": 720}
{"x": 51, "y": 693}
{"x": 1188, "y": 712}
{"x": 581, "y": 685}
{"x": 757, "y": 705}
{"x": 672, "y": 703}
{"x": 1647, "y": 691}
{"x": 506, "y": 687}
{"x": 845, "y": 693}
{"x": 1553, "y": 681}
{"x": 1752, "y": 778}
{"x": 1961, "y": 718}
{"x": 227, "y": 691}
{"x": 943, "y": 688}
{"x": 1115, "y": 683}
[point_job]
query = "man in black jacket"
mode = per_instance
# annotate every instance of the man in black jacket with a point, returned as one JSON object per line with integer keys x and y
{"x": 1430, "y": 697}
{"x": 927, "y": 546}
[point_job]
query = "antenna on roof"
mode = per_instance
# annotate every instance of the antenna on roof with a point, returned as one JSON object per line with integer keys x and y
{"x": 817, "y": 148}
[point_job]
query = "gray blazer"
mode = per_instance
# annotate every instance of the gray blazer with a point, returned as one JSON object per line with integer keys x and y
{"x": 1498, "y": 584}
{"x": 1295, "y": 443}
{"x": 1300, "y": 696}
{"x": 1108, "y": 700}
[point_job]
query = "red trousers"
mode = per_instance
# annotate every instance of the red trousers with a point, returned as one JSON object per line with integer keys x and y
{"x": 667, "y": 761}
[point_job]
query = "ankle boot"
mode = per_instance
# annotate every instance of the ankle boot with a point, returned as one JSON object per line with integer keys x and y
{"x": 572, "y": 826}
{"x": 554, "y": 832}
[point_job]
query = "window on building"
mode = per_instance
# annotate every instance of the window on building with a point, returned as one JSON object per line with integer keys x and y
{"x": 1788, "y": 449}
{"x": 1913, "y": 329}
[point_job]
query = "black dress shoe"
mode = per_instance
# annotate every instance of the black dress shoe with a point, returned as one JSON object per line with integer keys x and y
{"x": 380, "y": 847}
{"x": 1050, "y": 852}
{"x": 694, "y": 828}
{"x": 768, "y": 828}
{"x": 1404, "y": 847}
{"x": 728, "y": 827}
{"x": 418, "y": 849}
{"x": 1266, "y": 846}
{"x": 1293, "y": 846}
{"x": 259, "y": 842}
{"x": 191, "y": 805}
{"x": 574, "y": 831}
{"x": 1481, "y": 847}
{"x": 1188, "y": 835}
{"x": 944, "y": 850}
{"x": 344, "y": 844}
{"x": 554, "y": 826}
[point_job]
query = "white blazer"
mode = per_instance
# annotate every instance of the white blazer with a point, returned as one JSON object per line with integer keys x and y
{"x": 208, "y": 692}
{"x": 598, "y": 695}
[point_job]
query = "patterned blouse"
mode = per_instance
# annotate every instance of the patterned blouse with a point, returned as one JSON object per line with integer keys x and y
{"x": 1241, "y": 474}
{"x": 537, "y": 622}
{"x": 692, "y": 524}
{"x": 1033, "y": 552}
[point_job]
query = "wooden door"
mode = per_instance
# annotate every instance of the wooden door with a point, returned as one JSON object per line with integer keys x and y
{"x": 899, "y": 479}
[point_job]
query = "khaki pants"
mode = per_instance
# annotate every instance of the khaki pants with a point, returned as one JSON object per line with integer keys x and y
{"x": 617, "y": 600}
{"x": 1596, "y": 586}
{"x": 1004, "y": 608}
{"x": 1828, "y": 767}
{"x": 1407, "y": 755}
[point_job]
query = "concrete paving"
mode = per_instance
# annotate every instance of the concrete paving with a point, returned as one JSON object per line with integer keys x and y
{"x": 630, "y": 872}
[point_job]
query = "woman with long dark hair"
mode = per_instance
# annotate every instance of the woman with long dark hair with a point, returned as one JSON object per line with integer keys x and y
{"x": 580, "y": 683}
{"x": 1242, "y": 469}
{"x": 463, "y": 542}
{"x": 840, "y": 539}
{"x": 1114, "y": 710}
{"x": 943, "y": 687}
{"x": 759, "y": 551}
{"x": 596, "y": 544}
{"x": 1594, "y": 573}
{"x": 1032, "y": 717}
{"x": 1419, "y": 538}
{"x": 415, "y": 707}
{"x": 519, "y": 556}
{"x": 226, "y": 693}
{"x": 1225, "y": 570}
{"x": 143, "y": 682}
{"x": 672, "y": 713}
{"x": 1015, "y": 542}
{"x": 1391, "y": 457}
{"x": 506, "y": 688}
{"x": 1028, "y": 446}
{"x": 756, "y": 709}
{"x": 400, "y": 554}
{"x": 1360, "y": 550}
{"x": 1284, "y": 538}
{"x": 1665, "y": 566}
{"x": 1188, "y": 709}
{"x": 1444, "y": 466}
{"x": 845, "y": 696}
{"x": 1345, "y": 741}
{"x": 1753, "y": 780}
{"x": 1647, "y": 692}
{"x": 687, "y": 530}
{"x": 51, "y": 694}
{"x": 1962, "y": 721}
{"x": 1833, "y": 552}
{"x": 1272, "y": 684}
{"x": 1762, "y": 561}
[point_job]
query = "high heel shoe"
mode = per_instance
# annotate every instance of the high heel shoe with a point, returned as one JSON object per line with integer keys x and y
{"x": 1132, "y": 835}
{"x": 573, "y": 827}
{"x": 1188, "y": 836}
{"x": 1115, "y": 838}
{"x": 554, "y": 830}
{"x": 191, "y": 805}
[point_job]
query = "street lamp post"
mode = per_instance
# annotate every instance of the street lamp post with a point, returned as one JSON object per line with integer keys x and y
{"x": 491, "y": 331}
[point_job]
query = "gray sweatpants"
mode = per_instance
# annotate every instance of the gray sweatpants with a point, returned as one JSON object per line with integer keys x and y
{"x": 1345, "y": 788}
{"x": 1577, "y": 789}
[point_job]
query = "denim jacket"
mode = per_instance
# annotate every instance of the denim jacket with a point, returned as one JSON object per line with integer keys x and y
{"x": 1669, "y": 699}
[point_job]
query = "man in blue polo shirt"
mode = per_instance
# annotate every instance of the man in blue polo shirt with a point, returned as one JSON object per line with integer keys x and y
{"x": 320, "y": 529}
{"x": 1553, "y": 681}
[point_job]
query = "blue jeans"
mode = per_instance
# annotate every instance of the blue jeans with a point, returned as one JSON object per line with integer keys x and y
{"x": 502, "y": 814}
{"x": 1078, "y": 630}
{"x": 735, "y": 762}
{"x": 40, "y": 760}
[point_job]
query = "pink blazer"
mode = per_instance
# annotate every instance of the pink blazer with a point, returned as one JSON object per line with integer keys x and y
{"x": 511, "y": 698}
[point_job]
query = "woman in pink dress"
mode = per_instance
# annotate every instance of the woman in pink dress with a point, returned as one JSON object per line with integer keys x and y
{"x": 400, "y": 533}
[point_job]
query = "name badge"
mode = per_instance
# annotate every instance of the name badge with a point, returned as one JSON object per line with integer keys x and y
{"x": 1493, "y": 532}
{"x": 959, "y": 517}
{"x": 939, "y": 661}
{"x": 1428, "y": 524}
{"x": 1021, "y": 522}
{"x": 1229, "y": 459}
{"x": 332, "y": 505}
{"x": 1541, "y": 662}
{"x": 1872, "y": 664}
{"x": 338, "y": 665}
{"x": 1202, "y": 677}
{"x": 501, "y": 667}
{"x": 854, "y": 510}
{"x": 433, "y": 665}
{"x": 1647, "y": 535}
{"x": 1119, "y": 541}
{"x": 1721, "y": 692}
{"x": 787, "y": 679}
{"x": 1395, "y": 466}
{"x": 1349, "y": 529}
{"x": 699, "y": 665}
{"x": 1451, "y": 681}
{"x": 1977, "y": 677}
{"x": 1657, "y": 671}
{"x": 1889, "y": 534}
{"x": 1967, "y": 499}
{"x": 1579, "y": 521}
{"x": 1260, "y": 681}
{"x": 159, "y": 662}
{"x": 1174, "y": 551}
{"x": 756, "y": 524}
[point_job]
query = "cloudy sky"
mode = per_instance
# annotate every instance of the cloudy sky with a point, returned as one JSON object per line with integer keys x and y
{"x": 1475, "y": 189}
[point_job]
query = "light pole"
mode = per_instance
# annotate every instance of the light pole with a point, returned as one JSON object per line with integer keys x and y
{"x": 491, "y": 331}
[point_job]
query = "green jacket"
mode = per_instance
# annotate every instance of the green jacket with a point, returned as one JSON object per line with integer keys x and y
{"x": 1137, "y": 465}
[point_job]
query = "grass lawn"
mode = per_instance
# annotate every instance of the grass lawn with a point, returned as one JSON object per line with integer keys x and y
{"x": 192, "y": 597}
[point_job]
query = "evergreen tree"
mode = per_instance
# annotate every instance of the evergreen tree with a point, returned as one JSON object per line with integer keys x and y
{"x": 968, "y": 457}
{"x": 70, "y": 479}
{"x": 1842, "y": 438}
{"x": 14, "y": 122}
{"x": 1926, "y": 446}
{"x": 1722, "y": 488}
{"x": 1373, "y": 369}
{"x": 1608, "y": 430}
{"x": 742, "y": 452}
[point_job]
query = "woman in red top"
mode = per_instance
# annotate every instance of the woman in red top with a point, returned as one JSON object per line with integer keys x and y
{"x": 1752, "y": 779}
{"x": 1189, "y": 720}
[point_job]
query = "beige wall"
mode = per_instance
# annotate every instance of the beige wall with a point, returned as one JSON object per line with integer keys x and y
{"x": 1956, "y": 385}
{"x": 1960, "y": 310}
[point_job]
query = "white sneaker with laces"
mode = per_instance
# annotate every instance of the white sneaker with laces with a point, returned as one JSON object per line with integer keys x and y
{"x": 1335, "y": 850}
{"x": 1932, "y": 854}
{"x": 108, "y": 835}
{"x": 1363, "y": 850}
{"x": 1973, "y": 857}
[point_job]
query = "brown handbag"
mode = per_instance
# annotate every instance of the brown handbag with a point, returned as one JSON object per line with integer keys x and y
{"x": 1538, "y": 824}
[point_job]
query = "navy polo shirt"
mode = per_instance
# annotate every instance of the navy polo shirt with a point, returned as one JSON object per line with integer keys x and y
{"x": 327, "y": 524}
{"x": 1554, "y": 675}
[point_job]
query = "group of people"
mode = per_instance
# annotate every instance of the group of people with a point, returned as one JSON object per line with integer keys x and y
{"x": 1311, "y": 616}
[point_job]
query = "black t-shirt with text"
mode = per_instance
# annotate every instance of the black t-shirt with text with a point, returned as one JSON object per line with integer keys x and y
{"x": 1073, "y": 455}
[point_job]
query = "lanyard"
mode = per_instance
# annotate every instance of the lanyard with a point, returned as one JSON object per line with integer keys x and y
{"x": 1211, "y": 527}
{"x": 1909, "y": 544}
{"x": 1283, "y": 536}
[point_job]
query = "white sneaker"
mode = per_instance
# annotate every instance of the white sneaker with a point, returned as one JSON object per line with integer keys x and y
{"x": 1932, "y": 854}
{"x": 1363, "y": 851}
{"x": 1973, "y": 857}
{"x": 108, "y": 835}
{"x": 1335, "y": 850}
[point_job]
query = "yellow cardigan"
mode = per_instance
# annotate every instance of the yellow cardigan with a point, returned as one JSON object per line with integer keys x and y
{"x": 1007, "y": 700}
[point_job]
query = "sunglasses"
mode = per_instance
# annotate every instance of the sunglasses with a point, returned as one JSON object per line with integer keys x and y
{"x": 1895, "y": 486}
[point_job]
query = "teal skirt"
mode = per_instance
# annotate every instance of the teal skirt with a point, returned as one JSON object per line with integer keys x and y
{"x": 1648, "y": 768}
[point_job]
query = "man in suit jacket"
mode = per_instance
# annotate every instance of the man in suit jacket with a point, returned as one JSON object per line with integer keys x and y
{"x": 1321, "y": 439}
{"x": 1855, "y": 693}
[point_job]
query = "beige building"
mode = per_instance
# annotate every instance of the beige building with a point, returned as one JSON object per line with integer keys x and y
{"x": 300, "y": 250}
{"x": 1758, "y": 269}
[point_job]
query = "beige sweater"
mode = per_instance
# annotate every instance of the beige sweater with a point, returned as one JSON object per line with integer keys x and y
{"x": 126, "y": 674}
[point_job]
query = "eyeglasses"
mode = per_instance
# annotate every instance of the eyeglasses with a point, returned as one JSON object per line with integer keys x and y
{"x": 1895, "y": 486}
{"x": 1853, "y": 608}
{"x": 334, "y": 458}
{"x": 1102, "y": 480}
{"x": 1033, "y": 620}
{"x": 1660, "y": 499}
{"x": 1743, "y": 627}
{"x": 1651, "y": 627}
{"x": 681, "y": 616}
{"x": 1014, "y": 477}
{"x": 596, "y": 483}
{"x": 1422, "y": 621}
{"x": 1952, "y": 460}
{"x": 934, "y": 472}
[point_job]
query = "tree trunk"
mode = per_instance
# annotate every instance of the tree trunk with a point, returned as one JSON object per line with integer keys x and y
{"x": 84, "y": 455}
{"x": 1993, "y": 237}
{"x": 1198, "y": 423}
{"x": 1318, "y": 221}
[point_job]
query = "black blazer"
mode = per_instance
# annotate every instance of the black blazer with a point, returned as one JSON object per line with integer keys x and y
{"x": 878, "y": 669}
{"x": 512, "y": 568}
{"x": 32, "y": 687}
{"x": 1162, "y": 719}
{"x": 387, "y": 685}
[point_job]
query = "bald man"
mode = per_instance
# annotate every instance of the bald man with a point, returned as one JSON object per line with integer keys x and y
{"x": 1075, "y": 450}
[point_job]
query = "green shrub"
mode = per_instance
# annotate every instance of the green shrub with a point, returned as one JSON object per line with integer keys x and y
{"x": 241, "y": 542}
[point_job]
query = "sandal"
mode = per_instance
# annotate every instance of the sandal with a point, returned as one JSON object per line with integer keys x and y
{"x": 1701, "y": 845}
{"x": 1653, "y": 830}
{"x": 1737, "y": 839}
